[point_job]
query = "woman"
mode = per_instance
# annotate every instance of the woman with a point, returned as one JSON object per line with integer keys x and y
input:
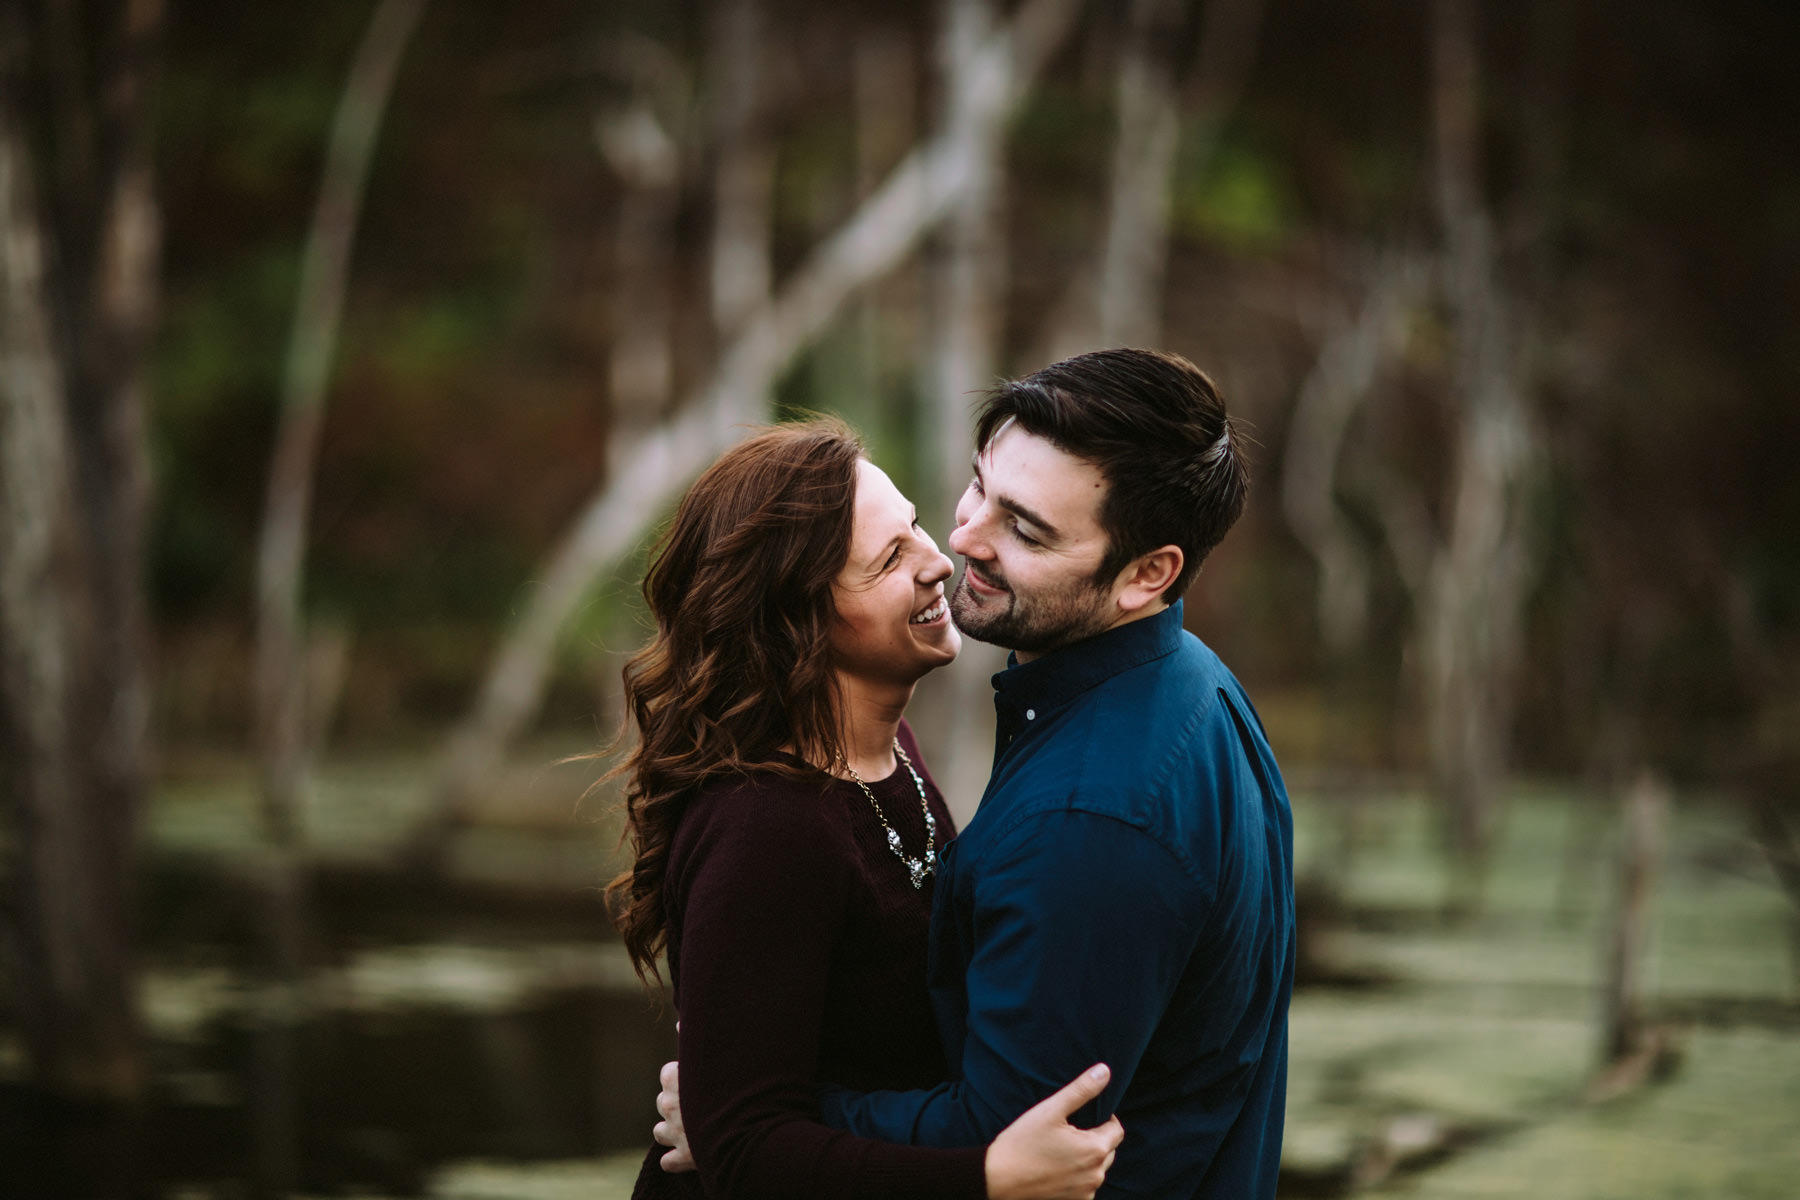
{"x": 785, "y": 828}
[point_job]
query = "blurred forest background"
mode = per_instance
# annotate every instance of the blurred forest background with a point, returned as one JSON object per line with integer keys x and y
{"x": 350, "y": 353}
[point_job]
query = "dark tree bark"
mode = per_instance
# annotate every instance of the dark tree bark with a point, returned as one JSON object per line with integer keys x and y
{"x": 1465, "y": 555}
{"x": 1473, "y": 593}
{"x": 78, "y": 253}
{"x": 1644, "y": 810}
{"x": 282, "y": 650}
{"x": 744, "y": 174}
{"x": 312, "y": 349}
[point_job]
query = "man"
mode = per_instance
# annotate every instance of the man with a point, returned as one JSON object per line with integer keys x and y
{"x": 1124, "y": 893}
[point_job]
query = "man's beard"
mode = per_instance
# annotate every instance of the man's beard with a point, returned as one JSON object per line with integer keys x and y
{"x": 1042, "y": 621}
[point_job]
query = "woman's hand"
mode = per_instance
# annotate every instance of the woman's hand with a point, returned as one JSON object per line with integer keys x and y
{"x": 670, "y": 1131}
{"x": 1041, "y": 1156}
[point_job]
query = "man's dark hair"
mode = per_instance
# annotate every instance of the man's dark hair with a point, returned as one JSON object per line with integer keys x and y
{"x": 1155, "y": 426}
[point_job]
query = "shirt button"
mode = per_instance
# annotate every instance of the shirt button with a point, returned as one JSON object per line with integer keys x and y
{"x": 1031, "y": 714}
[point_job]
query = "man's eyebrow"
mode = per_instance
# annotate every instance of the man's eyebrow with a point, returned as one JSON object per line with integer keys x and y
{"x": 1050, "y": 532}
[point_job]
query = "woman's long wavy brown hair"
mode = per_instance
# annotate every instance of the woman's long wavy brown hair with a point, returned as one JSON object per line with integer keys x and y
{"x": 740, "y": 668}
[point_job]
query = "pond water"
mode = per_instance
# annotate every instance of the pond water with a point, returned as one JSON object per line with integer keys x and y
{"x": 480, "y": 1035}
{"x": 439, "y": 1024}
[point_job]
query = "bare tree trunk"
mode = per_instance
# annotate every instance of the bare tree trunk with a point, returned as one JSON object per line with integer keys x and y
{"x": 744, "y": 181}
{"x": 641, "y": 369}
{"x": 1632, "y": 1048}
{"x": 648, "y": 161}
{"x": 1615, "y": 748}
{"x": 41, "y": 567}
{"x": 1644, "y": 812}
{"x": 646, "y": 158}
{"x": 646, "y": 474}
{"x": 312, "y": 348}
{"x": 1137, "y": 227}
{"x": 73, "y": 691}
{"x": 110, "y": 430}
{"x": 1474, "y": 589}
{"x": 281, "y": 646}
{"x": 1119, "y": 299}
{"x": 1349, "y": 363}
{"x": 970, "y": 261}
{"x": 887, "y": 315}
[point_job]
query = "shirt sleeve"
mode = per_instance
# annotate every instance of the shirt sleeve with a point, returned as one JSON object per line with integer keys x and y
{"x": 1082, "y": 927}
{"x": 764, "y": 900}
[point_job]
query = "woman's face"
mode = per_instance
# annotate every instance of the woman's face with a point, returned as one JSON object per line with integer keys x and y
{"x": 893, "y": 624}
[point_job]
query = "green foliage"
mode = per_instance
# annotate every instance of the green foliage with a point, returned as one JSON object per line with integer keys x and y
{"x": 272, "y": 125}
{"x": 421, "y": 343}
{"x": 223, "y": 343}
{"x": 1235, "y": 198}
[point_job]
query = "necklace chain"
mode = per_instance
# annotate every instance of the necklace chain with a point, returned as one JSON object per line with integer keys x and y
{"x": 916, "y": 868}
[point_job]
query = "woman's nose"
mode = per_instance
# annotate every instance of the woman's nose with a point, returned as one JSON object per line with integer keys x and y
{"x": 937, "y": 567}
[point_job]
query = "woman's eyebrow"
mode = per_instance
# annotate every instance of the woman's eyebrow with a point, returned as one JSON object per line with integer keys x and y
{"x": 881, "y": 555}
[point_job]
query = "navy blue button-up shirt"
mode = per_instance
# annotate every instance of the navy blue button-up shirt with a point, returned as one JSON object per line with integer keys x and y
{"x": 1123, "y": 895}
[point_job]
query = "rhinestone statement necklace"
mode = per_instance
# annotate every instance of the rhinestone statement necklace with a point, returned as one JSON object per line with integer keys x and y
{"x": 916, "y": 868}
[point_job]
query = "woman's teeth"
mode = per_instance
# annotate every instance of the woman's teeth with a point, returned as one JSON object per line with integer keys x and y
{"x": 930, "y": 614}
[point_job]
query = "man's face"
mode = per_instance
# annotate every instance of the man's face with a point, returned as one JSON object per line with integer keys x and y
{"x": 1028, "y": 529}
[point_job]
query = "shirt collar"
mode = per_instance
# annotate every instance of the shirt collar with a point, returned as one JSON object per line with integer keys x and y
{"x": 1064, "y": 673}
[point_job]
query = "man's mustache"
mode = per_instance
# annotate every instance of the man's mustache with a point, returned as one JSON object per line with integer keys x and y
{"x": 993, "y": 581}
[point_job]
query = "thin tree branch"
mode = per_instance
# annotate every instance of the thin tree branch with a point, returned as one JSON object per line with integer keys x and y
{"x": 312, "y": 348}
{"x": 1349, "y": 362}
{"x": 647, "y": 474}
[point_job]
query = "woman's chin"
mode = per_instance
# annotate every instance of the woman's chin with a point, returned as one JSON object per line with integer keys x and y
{"x": 940, "y": 651}
{"x": 942, "y": 642}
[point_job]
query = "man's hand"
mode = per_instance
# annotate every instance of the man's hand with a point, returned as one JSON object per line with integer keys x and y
{"x": 1041, "y": 1156}
{"x": 669, "y": 1131}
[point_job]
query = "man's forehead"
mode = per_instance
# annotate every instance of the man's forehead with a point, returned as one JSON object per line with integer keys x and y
{"x": 1018, "y": 450}
{"x": 1035, "y": 470}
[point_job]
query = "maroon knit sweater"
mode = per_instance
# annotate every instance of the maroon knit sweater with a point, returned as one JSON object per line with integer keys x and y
{"x": 797, "y": 950}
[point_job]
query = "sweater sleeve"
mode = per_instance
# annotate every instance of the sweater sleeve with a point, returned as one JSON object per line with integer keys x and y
{"x": 763, "y": 898}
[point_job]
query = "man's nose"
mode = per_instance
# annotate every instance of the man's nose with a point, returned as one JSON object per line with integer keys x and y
{"x": 962, "y": 539}
{"x": 967, "y": 540}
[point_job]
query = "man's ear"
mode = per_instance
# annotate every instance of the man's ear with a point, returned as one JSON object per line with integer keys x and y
{"x": 1145, "y": 578}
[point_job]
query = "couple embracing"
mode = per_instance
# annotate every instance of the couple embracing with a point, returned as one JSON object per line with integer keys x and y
{"x": 1085, "y": 989}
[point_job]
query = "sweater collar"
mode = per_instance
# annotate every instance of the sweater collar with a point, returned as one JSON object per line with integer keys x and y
{"x": 1062, "y": 674}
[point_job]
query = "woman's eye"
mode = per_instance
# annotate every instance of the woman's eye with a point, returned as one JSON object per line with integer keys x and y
{"x": 893, "y": 558}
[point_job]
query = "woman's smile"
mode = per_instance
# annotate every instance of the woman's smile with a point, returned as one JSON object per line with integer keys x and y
{"x": 932, "y": 613}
